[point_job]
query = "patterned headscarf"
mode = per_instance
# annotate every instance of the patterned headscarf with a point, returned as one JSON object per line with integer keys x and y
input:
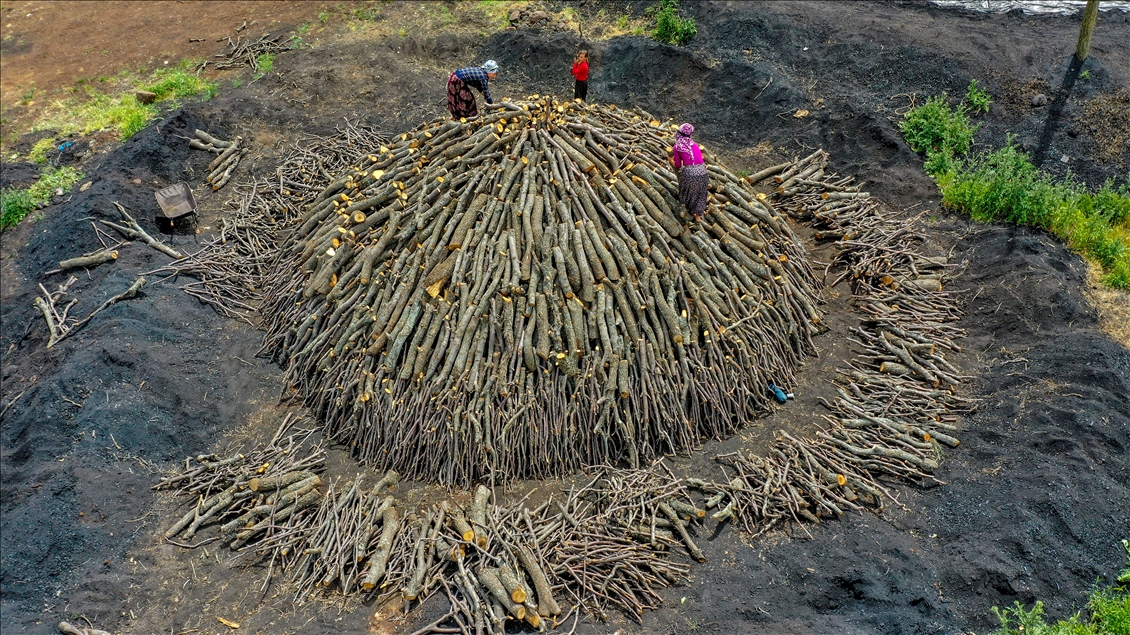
{"x": 683, "y": 141}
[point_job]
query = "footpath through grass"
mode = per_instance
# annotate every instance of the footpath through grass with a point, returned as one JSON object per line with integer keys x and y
{"x": 1003, "y": 185}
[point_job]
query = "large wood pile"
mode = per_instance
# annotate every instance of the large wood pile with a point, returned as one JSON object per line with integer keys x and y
{"x": 615, "y": 542}
{"x": 520, "y": 296}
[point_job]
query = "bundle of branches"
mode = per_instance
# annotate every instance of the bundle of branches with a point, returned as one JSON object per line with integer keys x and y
{"x": 607, "y": 545}
{"x": 233, "y": 266}
{"x": 895, "y": 407}
{"x": 519, "y": 296}
{"x": 249, "y": 52}
{"x": 253, "y": 496}
{"x": 228, "y": 155}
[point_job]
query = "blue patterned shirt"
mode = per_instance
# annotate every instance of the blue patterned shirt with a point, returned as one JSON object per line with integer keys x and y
{"x": 476, "y": 76}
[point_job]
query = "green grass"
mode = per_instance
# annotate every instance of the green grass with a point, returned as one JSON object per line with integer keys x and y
{"x": 120, "y": 111}
{"x": 38, "y": 152}
{"x": 1003, "y": 185}
{"x": 179, "y": 83}
{"x": 670, "y": 28}
{"x": 15, "y": 204}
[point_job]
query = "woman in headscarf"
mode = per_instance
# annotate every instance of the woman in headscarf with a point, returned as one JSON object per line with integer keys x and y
{"x": 686, "y": 156}
{"x": 460, "y": 99}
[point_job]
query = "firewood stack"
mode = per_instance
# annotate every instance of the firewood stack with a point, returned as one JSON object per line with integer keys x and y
{"x": 521, "y": 295}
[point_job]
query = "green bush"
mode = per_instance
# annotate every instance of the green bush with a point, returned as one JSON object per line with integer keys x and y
{"x": 669, "y": 27}
{"x": 15, "y": 204}
{"x": 265, "y": 63}
{"x": 935, "y": 127}
{"x": 1004, "y": 186}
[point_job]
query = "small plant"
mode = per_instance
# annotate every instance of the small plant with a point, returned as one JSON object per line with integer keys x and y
{"x": 402, "y": 32}
{"x": 304, "y": 28}
{"x": 934, "y": 128}
{"x": 365, "y": 14}
{"x": 236, "y": 82}
{"x": 323, "y": 17}
{"x": 265, "y": 63}
{"x": 27, "y": 97}
{"x": 622, "y": 22}
{"x": 14, "y": 206}
{"x": 977, "y": 98}
{"x": 743, "y": 173}
{"x": 1124, "y": 577}
{"x": 670, "y": 28}
{"x": 1085, "y": 75}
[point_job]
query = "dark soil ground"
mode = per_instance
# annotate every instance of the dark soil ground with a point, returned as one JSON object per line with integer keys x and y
{"x": 1034, "y": 500}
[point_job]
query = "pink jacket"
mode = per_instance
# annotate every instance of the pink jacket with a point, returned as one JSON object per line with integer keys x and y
{"x": 682, "y": 158}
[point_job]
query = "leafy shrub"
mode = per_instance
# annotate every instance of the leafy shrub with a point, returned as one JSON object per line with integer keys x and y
{"x": 935, "y": 127}
{"x": 14, "y": 206}
{"x": 670, "y": 28}
{"x": 977, "y": 98}
{"x": 1005, "y": 186}
{"x": 265, "y": 63}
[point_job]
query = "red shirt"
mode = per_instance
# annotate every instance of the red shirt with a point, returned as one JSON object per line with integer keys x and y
{"x": 581, "y": 71}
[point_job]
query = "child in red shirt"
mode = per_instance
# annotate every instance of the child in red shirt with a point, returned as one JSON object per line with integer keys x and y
{"x": 581, "y": 74}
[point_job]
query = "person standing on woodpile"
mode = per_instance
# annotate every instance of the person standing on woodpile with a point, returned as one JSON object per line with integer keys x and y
{"x": 581, "y": 74}
{"x": 460, "y": 99}
{"x": 686, "y": 156}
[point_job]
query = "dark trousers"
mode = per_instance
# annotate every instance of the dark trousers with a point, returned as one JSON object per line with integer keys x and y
{"x": 581, "y": 90}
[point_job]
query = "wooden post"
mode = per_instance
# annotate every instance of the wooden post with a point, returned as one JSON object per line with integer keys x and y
{"x": 1083, "y": 49}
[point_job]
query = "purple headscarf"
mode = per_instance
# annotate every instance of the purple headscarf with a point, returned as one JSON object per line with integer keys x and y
{"x": 683, "y": 141}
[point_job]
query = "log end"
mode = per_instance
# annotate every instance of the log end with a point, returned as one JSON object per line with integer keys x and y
{"x": 468, "y": 536}
{"x": 518, "y": 595}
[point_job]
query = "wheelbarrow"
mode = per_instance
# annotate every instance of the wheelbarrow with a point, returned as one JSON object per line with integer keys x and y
{"x": 178, "y": 209}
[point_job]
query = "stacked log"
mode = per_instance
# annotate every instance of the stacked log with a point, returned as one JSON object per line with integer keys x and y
{"x": 521, "y": 295}
{"x": 228, "y": 155}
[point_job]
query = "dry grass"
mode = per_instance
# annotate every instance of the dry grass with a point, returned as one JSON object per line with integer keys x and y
{"x": 1113, "y": 306}
{"x": 1107, "y": 119}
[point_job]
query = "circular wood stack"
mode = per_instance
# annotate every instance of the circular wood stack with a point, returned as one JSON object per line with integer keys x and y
{"x": 522, "y": 295}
